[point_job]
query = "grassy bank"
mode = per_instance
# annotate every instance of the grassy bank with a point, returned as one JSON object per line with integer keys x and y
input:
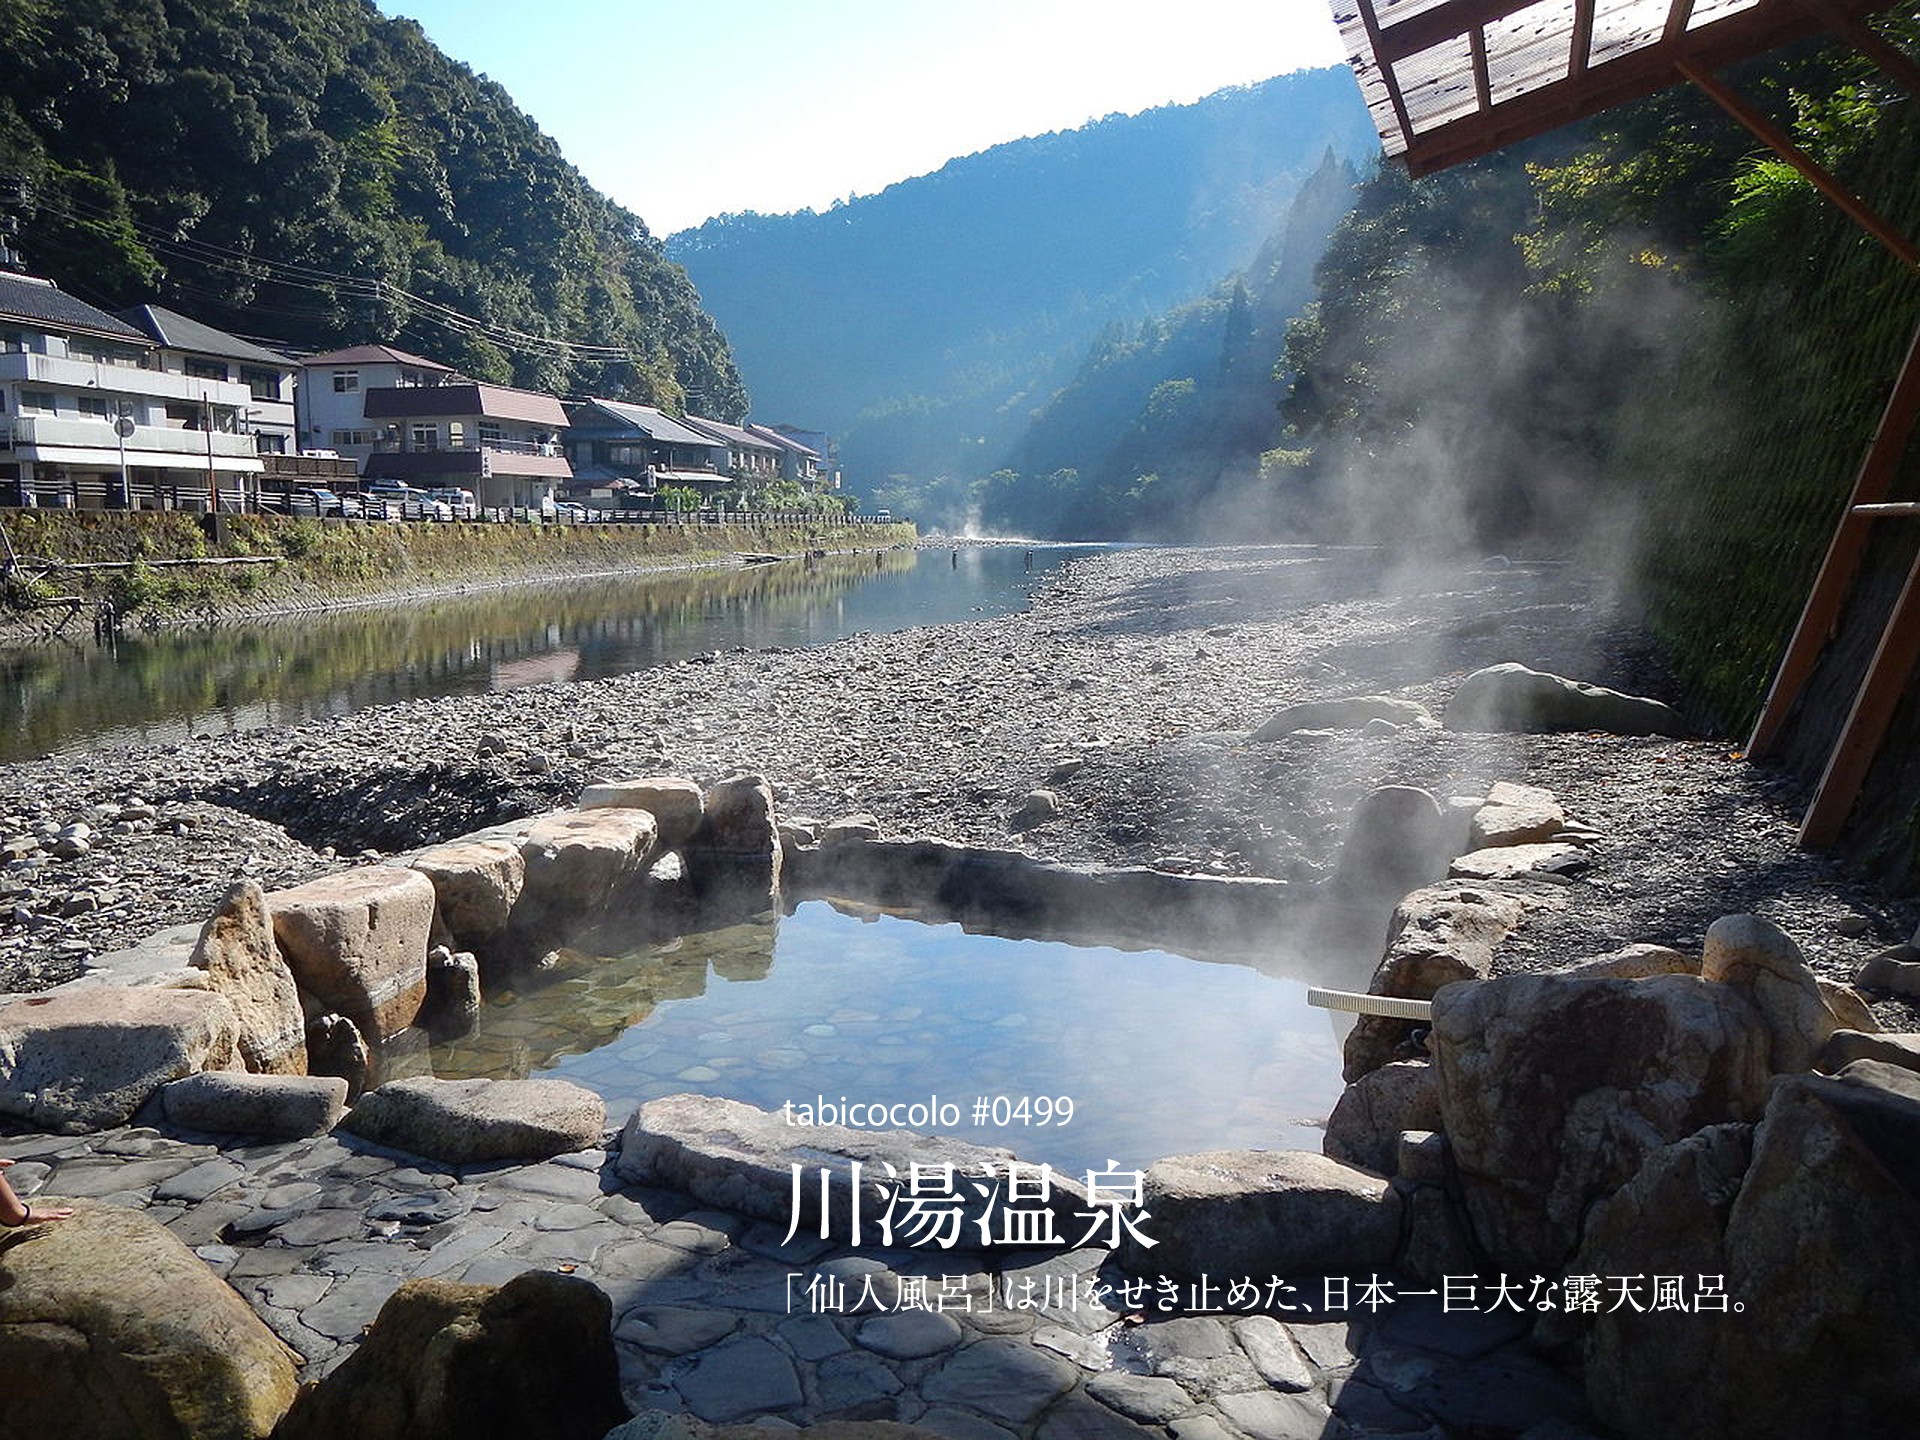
{"x": 322, "y": 562}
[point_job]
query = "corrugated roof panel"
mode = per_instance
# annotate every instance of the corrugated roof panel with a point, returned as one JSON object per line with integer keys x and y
{"x": 1529, "y": 50}
{"x": 1437, "y": 84}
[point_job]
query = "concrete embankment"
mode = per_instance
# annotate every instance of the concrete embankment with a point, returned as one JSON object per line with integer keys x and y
{"x": 311, "y": 564}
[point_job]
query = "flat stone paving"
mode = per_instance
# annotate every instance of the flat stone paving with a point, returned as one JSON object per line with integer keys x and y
{"x": 712, "y": 1314}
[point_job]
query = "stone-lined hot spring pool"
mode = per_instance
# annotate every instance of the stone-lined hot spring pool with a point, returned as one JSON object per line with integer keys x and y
{"x": 1158, "y": 1054}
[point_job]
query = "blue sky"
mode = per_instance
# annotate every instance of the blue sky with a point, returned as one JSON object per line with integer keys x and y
{"x": 694, "y": 108}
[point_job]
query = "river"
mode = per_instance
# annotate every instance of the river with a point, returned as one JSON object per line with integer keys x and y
{"x": 68, "y": 696}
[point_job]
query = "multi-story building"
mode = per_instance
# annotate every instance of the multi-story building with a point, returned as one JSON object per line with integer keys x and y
{"x": 826, "y": 452}
{"x": 620, "y": 449}
{"x": 408, "y": 418}
{"x": 90, "y": 416}
{"x": 331, "y": 404}
{"x": 200, "y": 352}
{"x": 799, "y": 462}
{"x": 754, "y": 459}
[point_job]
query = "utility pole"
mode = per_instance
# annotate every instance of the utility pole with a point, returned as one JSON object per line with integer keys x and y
{"x": 213, "y": 479}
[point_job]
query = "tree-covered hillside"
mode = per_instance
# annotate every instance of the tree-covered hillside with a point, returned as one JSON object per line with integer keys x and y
{"x": 311, "y": 171}
{"x": 927, "y": 323}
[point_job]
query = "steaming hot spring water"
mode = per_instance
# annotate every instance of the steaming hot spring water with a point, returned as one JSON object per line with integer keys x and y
{"x": 1082, "y": 1055}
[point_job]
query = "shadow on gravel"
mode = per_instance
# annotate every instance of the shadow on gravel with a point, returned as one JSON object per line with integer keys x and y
{"x": 388, "y": 807}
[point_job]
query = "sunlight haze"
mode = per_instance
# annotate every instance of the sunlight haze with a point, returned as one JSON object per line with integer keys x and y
{"x": 681, "y": 112}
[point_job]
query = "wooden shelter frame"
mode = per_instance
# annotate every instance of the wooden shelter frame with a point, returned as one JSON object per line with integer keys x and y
{"x": 1450, "y": 80}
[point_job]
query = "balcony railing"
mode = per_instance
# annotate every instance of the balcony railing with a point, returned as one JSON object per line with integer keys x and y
{"x": 110, "y": 379}
{"x": 86, "y": 432}
{"x": 552, "y": 449}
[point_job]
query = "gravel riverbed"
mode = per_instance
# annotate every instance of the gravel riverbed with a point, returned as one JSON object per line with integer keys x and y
{"x": 1128, "y": 689}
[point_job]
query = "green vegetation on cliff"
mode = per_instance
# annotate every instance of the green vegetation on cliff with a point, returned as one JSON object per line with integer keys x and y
{"x": 313, "y": 172}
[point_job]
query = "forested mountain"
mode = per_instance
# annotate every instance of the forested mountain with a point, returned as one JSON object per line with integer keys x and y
{"x": 311, "y": 171}
{"x": 927, "y": 323}
{"x": 1164, "y": 424}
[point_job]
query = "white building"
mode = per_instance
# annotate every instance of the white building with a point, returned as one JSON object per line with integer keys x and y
{"x": 88, "y": 416}
{"x": 187, "y": 347}
{"x": 331, "y": 405}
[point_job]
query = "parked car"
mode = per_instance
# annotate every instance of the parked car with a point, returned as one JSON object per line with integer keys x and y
{"x": 459, "y": 502}
{"x": 385, "y": 487}
{"x": 573, "y": 513}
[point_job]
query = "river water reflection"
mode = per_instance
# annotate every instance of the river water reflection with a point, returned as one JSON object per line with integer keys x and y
{"x": 66, "y": 696}
{"x": 1159, "y": 1054}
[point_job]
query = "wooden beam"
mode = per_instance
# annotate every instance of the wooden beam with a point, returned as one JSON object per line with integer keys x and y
{"x": 1678, "y": 14}
{"x": 1372, "y": 23}
{"x": 1582, "y": 48}
{"x": 1888, "y": 672}
{"x": 1781, "y": 143}
{"x": 1821, "y": 613}
{"x": 1482, "y": 81}
{"x": 1440, "y": 24}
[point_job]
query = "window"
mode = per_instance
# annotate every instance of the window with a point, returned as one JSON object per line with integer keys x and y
{"x": 184, "y": 416}
{"x": 265, "y": 384}
{"x": 456, "y": 435}
{"x": 412, "y": 378}
{"x": 270, "y": 444}
{"x": 38, "y": 402}
{"x": 102, "y": 352}
{"x": 354, "y": 437}
{"x": 425, "y": 437}
{"x": 13, "y": 342}
{"x": 345, "y": 382}
{"x": 95, "y": 407}
{"x": 206, "y": 369}
{"x": 488, "y": 432}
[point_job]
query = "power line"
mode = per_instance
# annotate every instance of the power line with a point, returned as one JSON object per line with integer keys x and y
{"x": 318, "y": 280}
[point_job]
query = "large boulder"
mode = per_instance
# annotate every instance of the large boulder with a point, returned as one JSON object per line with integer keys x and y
{"x": 110, "y": 1326}
{"x": 1262, "y": 1212}
{"x": 1761, "y": 959}
{"x": 1513, "y": 698}
{"x": 532, "y": 1359}
{"x": 735, "y": 858}
{"x": 579, "y": 862}
{"x": 1516, "y": 815}
{"x": 677, "y": 805}
{"x": 1554, "y": 1090}
{"x": 1438, "y": 935}
{"x": 1818, "y": 1242}
{"x": 1517, "y": 862}
{"x": 87, "y": 1059}
{"x": 738, "y": 1157}
{"x": 1398, "y": 837}
{"x": 357, "y": 942}
{"x": 1366, "y": 1124}
{"x": 1352, "y": 713}
{"x": 1844, "y": 1047}
{"x": 470, "y": 1122}
{"x": 281, "y": 1106}
{"x": 475, "y": 884}
{"x": 237, "y": 950}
